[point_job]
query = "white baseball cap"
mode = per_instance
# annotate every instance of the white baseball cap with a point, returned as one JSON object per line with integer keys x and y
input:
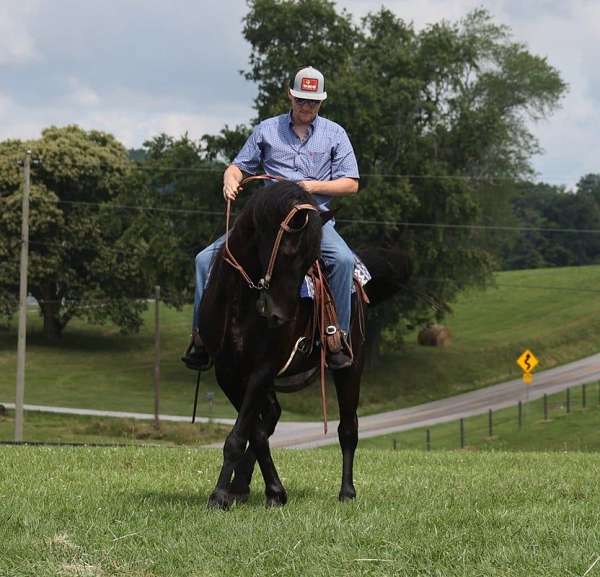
{"x": 309, "y": 84}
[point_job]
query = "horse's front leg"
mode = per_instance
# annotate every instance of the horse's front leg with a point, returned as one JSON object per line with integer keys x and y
{"x": 237, "y": 440}
{"x": 347, "y": 384}
{"x": 275, "y": 492}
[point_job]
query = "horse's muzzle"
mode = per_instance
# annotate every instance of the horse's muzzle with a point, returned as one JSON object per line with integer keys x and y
{"x": 267, "y": 309}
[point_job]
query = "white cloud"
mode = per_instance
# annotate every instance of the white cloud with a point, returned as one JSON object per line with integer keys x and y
{"x": 71, "y": 62}
{"x": 17, "y": 44}
{"x": 81, "y": 94}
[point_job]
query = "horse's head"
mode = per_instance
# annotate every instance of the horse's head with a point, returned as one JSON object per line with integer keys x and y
{"x": 287, "y": 229}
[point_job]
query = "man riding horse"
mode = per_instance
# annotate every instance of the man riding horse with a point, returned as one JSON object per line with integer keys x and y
{"x": 316, "y": 153}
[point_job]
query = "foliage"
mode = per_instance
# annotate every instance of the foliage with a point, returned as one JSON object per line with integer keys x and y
{"x": 542, "y": 206}
{"x": 182, "y": 191}
{"x": 84, "y": 262}
{"x": 447, "y": 107}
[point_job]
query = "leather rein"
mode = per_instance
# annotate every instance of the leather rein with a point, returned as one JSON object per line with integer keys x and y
{"x": 265, "y": 281}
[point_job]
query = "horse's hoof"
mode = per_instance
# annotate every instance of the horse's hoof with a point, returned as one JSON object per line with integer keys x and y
{"x": 278, "y": 499}
{"x": 240, "y": 497}
{"x": 347, "y": 494}
{"x": 219, "y": 500}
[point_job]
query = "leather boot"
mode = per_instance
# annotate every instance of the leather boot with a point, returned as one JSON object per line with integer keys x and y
{"x": 341, "y": 359}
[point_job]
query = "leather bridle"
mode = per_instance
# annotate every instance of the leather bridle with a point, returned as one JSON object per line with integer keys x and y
{"x": 265, "y": 281}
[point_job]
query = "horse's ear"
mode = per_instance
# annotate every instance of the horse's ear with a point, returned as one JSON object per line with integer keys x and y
{"x": 327, "y": 215}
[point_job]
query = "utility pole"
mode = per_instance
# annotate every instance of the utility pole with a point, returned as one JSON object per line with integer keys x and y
{"x": 156, "y": 356}
{"x": 20, "y": 392}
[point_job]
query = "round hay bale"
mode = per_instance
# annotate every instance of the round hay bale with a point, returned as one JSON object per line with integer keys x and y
{"x": 434, "y": 336}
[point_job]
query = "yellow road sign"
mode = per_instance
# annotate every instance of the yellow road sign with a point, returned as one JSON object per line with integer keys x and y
{"x": 527, "y": 361}
{"x": 527, "y": 378}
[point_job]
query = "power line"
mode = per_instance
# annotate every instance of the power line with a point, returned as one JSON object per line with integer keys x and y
{"x": 140, "y": 207}
{"x": 470, "y": 226}
{"x": 408, "y": 224}
{"x": 462, "y": 177}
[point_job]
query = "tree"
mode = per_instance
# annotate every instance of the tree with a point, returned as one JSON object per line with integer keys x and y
{"x": 433, "y": 116}
{"x": 182, "y": 191}
{"x": 84, "y": 261}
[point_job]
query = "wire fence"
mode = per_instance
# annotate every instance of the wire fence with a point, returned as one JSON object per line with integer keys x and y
{"x": 509, "y": 427}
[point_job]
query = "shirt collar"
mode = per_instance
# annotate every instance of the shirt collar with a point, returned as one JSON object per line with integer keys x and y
{"x": 312, "y": 125}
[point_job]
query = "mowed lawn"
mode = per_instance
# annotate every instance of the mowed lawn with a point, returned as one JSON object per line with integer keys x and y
{"x": 554, "y": 312}
{"x": 142, "y": 513}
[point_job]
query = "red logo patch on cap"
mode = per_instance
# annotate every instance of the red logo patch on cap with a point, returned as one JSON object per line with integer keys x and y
{"x": 309, "y": 84}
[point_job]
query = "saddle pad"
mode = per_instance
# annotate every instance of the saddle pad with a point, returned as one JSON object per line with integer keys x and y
{"x": 361, "y": 274}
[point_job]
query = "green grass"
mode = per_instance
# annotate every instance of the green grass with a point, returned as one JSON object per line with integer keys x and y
{"x": 141, "y": 513}
{"x": 56, "y": 428}
{"x": 96, "y": 367}
{"x": 576, "y": 430}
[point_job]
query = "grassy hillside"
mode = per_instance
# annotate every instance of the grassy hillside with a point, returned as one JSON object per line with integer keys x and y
{"x": 141, "y": 512}
{"x": 554, "y": 312}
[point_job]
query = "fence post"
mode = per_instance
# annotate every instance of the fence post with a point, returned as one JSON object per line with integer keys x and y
{"x": 520, "y": 417}
{"x": 545, "y": 406}
{"x": 210, "y": 397}
{"x": 568, "y": 399}
{"x": 394, "y": 444}
{"x": 156, "y": 356}
{"x": 428, "y": 439}
{"x": 490, "y": 424}
{"x": 583, "y": 396}
{"x": 462, "y": 433}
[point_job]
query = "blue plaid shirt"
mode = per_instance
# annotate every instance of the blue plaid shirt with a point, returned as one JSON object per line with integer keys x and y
{"x": 326, "y": 153}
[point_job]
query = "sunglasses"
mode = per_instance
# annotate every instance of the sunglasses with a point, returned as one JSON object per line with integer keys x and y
{"x": 302, "y": 101}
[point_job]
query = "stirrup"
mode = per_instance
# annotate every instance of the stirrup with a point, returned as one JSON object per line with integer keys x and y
{"x": 196, "y": 358}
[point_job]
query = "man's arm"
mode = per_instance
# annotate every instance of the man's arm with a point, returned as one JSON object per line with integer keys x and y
{"x": 339, "y": 187}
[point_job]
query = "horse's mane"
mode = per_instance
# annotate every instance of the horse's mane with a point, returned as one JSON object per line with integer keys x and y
{"x": 264, "y": 211}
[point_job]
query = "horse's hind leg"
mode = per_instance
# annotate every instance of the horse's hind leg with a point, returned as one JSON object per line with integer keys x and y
{"x": 347, "y": 384}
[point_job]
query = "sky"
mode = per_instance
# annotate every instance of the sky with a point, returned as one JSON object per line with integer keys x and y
{"x": 137, "y": 68}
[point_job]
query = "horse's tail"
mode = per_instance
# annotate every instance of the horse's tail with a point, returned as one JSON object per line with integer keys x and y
{"x": 390, "y": 270}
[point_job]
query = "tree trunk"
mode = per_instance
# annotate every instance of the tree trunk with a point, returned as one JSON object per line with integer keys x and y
{"x": 50, "y": 310}
{"x": 53, "y": 327}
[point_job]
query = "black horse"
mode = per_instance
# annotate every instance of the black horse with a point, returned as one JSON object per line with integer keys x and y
{"x": 250, "y": 327}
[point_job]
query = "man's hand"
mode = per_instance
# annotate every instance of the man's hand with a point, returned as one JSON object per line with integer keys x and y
{"x": 231, "y": 182}
{"x": 307, "y": 185}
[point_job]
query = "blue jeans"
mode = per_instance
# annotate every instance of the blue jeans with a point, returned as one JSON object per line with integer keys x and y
{"x": 339, "y": 267}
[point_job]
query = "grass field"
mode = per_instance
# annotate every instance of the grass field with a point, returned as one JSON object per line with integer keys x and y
{"x": 545, "y": 310}
{"x": 141, "y": 513}
{"x": 576, "y": 430}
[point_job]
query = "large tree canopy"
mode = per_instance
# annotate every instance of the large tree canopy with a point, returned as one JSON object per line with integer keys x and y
{"x": 84, "y": 261}
{"x": 433, "y": 115}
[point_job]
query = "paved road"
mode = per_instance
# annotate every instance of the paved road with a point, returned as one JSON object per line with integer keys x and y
{"x": 476, "y": 402}
{"x": 310, "y": 434}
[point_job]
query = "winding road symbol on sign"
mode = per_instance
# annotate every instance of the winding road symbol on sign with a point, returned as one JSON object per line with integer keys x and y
{"x": 527, "y": 361}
